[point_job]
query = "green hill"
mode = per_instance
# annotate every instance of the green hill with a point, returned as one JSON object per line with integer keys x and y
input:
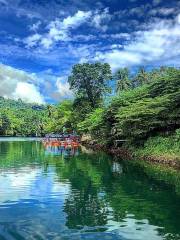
{"x": 20, "y": 118}
{"x": 19, "y": 104}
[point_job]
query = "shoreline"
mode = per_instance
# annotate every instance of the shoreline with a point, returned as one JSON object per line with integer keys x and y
{"x": 125, "y": 154}
{"x": 120, "y": 152}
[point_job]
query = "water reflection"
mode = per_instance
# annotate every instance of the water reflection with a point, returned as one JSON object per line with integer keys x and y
{"x": 64, "y": 151}
{"x": 117, "y": 168}
{"x": 43, "y": 196}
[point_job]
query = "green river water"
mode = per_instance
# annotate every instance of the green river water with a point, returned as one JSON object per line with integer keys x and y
{"x": 50, "y": 193}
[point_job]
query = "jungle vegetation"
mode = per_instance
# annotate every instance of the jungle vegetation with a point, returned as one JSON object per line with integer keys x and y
{"x": 138, "y": 107}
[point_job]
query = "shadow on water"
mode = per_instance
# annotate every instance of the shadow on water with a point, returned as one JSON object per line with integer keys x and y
{"x": 58, "y": 193}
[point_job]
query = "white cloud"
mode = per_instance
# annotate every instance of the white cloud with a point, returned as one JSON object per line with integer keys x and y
{"x": 159, "y": 43}
{"x": 122, "y": 35}
{"x": 35, "y": 26}
{"x": 15, "y": 83}
{"x": 83, "y": 38}
{"x": 58, "y": 30}
{"x": 119, "y": 58}
{"x": 28, "y": 93}
{"x": 100, "y": 19}
{"x": 17, "y": 185}
{"x": 63, "y": 88}
{"x": 32, "y": 40}
{"x": 166, "y": 11}
{"x": 163, "y": 11}
{"x": 139, "y": 11}
{"x": 76, "y": 20}
{"x": 115, "y": 46}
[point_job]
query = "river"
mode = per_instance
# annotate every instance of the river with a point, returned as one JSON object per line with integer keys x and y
{"x": 49, "y": 193}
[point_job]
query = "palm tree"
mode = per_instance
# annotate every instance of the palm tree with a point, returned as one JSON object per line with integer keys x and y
{"x": 123, "y": 80}
{"x": 142, "y": 77}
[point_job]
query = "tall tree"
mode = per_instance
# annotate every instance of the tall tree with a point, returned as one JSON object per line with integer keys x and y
{"x": 81, "y": 107}
{"x": 90, "y": 81}
{"x": 142, "y": 77}
{"x": 122, "y": 79}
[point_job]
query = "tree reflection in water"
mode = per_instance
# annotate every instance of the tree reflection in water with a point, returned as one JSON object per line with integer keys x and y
{"x": 104, "y": 195}
{"x": 87, "y": 193}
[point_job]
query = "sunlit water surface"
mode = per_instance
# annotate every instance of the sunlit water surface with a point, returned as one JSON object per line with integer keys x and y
{"x": 52, "y": 193}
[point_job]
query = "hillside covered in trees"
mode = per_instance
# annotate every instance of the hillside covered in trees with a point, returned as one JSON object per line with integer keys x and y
{"x": 144, "y": 110}
{"x": 21, "y": 119}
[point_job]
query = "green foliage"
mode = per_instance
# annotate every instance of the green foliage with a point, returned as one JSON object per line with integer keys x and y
{"x": 22, "y": 119}
{"x": 143, "y": 117}
{"x": 93, "y": 122}
{"x": 89, "y": 81}
{"x": 18, "y": 118}
{"x": 61, "y": 117}
{"x": 152, "y": 108}
{"x": 142, "y": 77}
{"x": 123, "y": 80}
{"x": 81, "y": 107}
{"x": 97, "y": 125}
{"x": 4, "y": 123}
{"x": 177, "y": 136}
{"x": 141, "y": 113}
{"x": 167, "y": 146}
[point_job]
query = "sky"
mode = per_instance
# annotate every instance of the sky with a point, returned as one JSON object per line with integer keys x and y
{"x": 40, "y": 41}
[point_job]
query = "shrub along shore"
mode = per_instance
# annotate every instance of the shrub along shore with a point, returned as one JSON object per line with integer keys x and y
{"x": 160, "y": 150}
{"x": 136, "y": 115}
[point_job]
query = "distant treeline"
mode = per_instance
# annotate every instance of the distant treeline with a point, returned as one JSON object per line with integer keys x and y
{"x": 19, "y": 118}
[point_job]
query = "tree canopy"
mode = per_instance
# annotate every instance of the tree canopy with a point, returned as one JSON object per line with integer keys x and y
{"x": 90, "y": 81}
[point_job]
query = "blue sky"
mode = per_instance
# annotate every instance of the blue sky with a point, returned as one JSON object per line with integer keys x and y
{"x": 40, "y": 40}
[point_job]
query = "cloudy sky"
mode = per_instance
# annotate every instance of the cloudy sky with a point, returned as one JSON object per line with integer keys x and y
{"x": 40, "y": 40}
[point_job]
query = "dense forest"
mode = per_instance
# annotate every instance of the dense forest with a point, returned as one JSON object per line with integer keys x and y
{"x": 142, "y": 108}
{"x": 21, "y": 119}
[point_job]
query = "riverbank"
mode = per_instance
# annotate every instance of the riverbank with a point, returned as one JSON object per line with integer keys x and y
{"x": 163, "y": 150}
{"x": 163, "y": 169}
{"x": 158, "y": 150}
